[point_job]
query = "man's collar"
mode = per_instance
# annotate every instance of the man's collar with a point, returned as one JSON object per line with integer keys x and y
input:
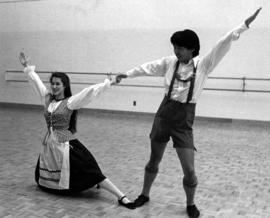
{"x": 195, "y": 61}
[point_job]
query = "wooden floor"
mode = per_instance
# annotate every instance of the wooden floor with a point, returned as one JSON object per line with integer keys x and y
{"x": 232, "y": 164}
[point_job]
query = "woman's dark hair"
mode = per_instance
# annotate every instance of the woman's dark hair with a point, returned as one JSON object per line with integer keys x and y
{"x": 67, "y": 93}
{"x": 188, "y": 39}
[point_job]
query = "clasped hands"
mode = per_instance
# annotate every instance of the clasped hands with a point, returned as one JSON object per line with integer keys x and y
{"x": 116, "y": 79}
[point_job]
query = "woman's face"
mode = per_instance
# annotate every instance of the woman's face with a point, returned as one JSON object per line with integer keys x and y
{"x": 57, "y": 87}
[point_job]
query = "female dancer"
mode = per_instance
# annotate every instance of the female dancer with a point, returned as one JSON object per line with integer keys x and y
{"x": 64, "y": 164}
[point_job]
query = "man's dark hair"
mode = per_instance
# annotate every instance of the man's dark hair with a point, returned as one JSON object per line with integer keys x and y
{"x": 188, "y": 39}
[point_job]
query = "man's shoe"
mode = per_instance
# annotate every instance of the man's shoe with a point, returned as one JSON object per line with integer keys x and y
{"x": 141, "y": 200}
{"x": 193, "y": 211}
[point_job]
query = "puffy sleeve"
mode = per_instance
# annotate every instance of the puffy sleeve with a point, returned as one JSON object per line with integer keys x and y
{"x": 85, "y": 96}
{"x": 214, "y": 56}
{"x": 153, "y": 68}
{"x": 36, "y": 82}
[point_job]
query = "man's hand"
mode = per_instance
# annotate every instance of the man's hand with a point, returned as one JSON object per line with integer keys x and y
{"x": 23, "y": 59}
{"x": 119, "y": 77}
{"x": 249, "y": 20}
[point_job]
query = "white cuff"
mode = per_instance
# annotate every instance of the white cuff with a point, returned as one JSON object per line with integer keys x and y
{"x": 107, "y": 83}
{"x": 237, "y": 32}
{"x": 29, "y": 69}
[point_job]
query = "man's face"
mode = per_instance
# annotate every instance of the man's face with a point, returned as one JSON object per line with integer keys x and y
{"x": 183, "y": 54}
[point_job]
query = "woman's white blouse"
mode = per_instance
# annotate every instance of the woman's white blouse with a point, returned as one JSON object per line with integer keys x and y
{"x": 76, "y": 101}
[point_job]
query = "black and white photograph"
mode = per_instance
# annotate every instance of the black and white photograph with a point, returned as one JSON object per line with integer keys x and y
{"x": 134, "y": 109}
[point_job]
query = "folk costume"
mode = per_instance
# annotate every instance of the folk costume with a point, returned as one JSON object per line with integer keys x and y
{"x": 183, "y": 86}
{"x": 64, "y": 163}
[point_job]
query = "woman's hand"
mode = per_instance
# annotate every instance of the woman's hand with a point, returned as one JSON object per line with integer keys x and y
{"x": 23, "y": 59}
{"x": 249, "y": 20}
{"x": 111, "y": 78}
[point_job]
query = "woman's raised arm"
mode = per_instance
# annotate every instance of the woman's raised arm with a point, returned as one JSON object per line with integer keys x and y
{"x": 33, "y": 77}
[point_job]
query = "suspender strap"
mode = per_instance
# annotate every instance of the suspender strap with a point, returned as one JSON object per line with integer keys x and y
{"x": 192, "y": 81}
{"x": 173, "y": 79}
{"x": 191, "y": 88}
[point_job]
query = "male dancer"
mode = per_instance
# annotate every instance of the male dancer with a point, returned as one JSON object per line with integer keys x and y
{"x": 184, "y": 77}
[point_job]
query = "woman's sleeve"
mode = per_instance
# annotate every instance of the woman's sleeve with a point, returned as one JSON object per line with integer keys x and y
{"x": 35, "y": 81}
{"x": 153, "y": 68}
{"x": 85, "y": 96}
{"x": 215, "y": 55}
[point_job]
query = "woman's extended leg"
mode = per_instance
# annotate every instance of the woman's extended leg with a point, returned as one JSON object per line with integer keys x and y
{"x": 122, "y": 199}
{"x": 110, "y": 187}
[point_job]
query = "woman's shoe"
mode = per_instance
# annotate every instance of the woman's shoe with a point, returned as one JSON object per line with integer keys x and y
{"x": 129, "y": 205}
